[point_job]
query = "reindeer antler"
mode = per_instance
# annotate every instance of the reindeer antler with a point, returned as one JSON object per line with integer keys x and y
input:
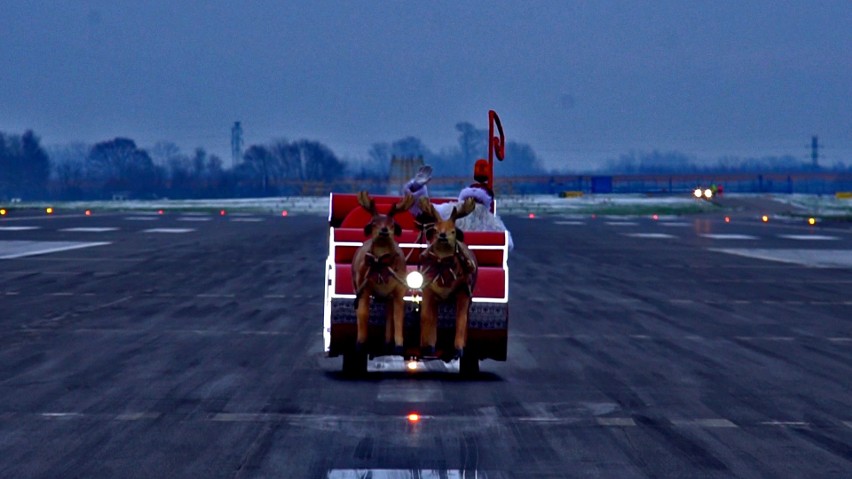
{"x": 367, "y": 203}
{"x": 428, "y": 208}
{"x": 466, "y": 208}
{"x": 403, "y": 205}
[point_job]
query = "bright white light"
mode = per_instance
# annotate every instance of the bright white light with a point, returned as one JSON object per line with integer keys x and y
{"x": 697, "y": 193}
{"x": 708, "y": 193}
{"x": 414, "y": 280}
{"x": 412, "y": 365}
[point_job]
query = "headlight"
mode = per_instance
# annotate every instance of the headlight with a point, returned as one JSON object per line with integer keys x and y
{"x": 697, "y": 192}
{"x": 414, "y": 280}
{"x": 708, "y": 193}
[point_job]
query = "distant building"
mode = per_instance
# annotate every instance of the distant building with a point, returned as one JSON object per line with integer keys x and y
{"x": 402, "y": 169}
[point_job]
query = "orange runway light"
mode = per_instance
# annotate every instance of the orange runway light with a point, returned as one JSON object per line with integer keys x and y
{"x": 88, "y": 212}
{"x": 222, "y": 213}
{"x": 765, "y": 219}
{"x": 727, "y": 219}
{"x": 811, "y": 221}
{"x": 159, "y": 212}
{"x": 48, "y": 210}
{"x": 532, "y": 216}
{"x": 655, "y": 217}
{"x": 2, "y": 212}
{"x": 413, "y": 417}
{"x": 284, "y": 213}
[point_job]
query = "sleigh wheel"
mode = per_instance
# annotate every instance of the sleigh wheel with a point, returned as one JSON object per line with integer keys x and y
{"x": 354, "y": 363}
{"x": 469, "y": 366}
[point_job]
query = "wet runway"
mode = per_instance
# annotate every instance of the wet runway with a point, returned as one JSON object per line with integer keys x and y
{"x": 190, "y": 346}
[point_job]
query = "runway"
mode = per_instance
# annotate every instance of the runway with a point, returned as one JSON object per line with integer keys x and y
{"x": 181, "y": 345}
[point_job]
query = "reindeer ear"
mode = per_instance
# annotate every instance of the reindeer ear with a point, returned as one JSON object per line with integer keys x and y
{"x": 397, "y": 229}
{"x": 459, "y": 235}
{"x": 368, "y": 230}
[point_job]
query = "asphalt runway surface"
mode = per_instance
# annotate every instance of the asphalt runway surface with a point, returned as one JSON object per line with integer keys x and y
{"x": 191, "y": 346}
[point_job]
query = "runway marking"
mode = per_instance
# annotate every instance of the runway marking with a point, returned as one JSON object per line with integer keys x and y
{"x": 809, "y": 237}
{"x": 246, "y": 417}
{"x": 141, "y": 218}
{"x": 409, "y": 393}
{"x": 622, "y": 223}
{"x": 676, "y": 225}
{"x": 193, "y": 218}
{"x": 61, "y": 415}
{"x": 89, "y": 230}
{"x": 714, "y": 422}
{"x": 19, "y": 228}
{"x": 20, "y": 249}
{"x": 570, "y": 223}
{"x": 62, "y": 294}
{"x": 137, "y": 416}
{"x": 404, "y": 473}
{"x": 247, "y": 220}
{"x": 213, "y": 295}
{"x": 785, "y": 423}
{"x": 848, "y": 423}
{"x": 169, "y": 230}
{"x": 728, "y": 236}
{"x": 650, "y": 235}
{"x": 616, "y": 421}
{"x": 817, "y": 258}
{"x": 840, "y": 340}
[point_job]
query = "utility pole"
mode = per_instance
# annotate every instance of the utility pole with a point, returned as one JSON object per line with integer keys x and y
{"x": 236, "y": 144}
{"x": 815, "y": 152}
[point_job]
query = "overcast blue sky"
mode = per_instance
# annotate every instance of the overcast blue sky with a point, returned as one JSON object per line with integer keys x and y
{"x": 580, "y": 81}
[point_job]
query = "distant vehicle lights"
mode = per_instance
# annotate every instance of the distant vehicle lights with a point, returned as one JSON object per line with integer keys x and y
{"x": 48, "y": 210}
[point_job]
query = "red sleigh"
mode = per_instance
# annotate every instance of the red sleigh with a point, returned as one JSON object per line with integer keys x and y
{"x": 487, "y": 333}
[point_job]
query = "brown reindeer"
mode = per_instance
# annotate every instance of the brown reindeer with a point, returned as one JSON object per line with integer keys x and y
{"x": 378, "y": 270}
{"x": 449, "y": 270}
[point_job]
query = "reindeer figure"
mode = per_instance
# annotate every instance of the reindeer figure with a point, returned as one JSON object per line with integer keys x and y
{"x": 449, "y": 270}
{"x": 378, "y": 270}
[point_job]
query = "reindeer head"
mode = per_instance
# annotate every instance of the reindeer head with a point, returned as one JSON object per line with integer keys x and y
{"x": 382, "y": 227}
{"x": 442, "y": 235}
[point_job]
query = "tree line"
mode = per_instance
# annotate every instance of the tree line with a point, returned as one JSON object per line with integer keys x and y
{"x": 120, "y": 169}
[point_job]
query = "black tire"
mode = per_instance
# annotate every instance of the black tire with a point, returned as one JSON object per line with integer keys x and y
{"x": 354, "y": 364}
{"x": 469, "y": 366}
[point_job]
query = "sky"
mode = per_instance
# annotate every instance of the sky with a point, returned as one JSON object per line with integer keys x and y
{"x": 580, "y": 81}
